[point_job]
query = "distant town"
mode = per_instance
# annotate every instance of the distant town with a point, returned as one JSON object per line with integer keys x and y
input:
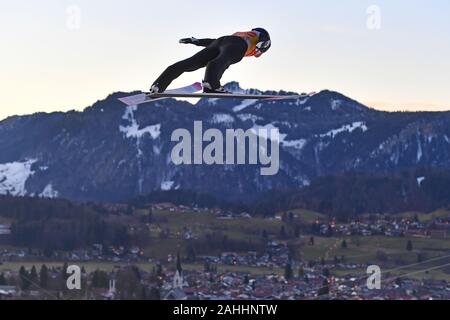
{"x": 273, "y": 270}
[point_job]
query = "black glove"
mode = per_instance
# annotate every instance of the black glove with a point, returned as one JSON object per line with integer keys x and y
{"x": 191, "y": 40}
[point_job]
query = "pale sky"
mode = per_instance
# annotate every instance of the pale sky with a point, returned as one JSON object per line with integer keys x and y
{"x": 53, "y": 59}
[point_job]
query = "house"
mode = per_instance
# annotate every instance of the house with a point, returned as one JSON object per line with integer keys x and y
{"x": 5, "y": 229}
{"x": 176, "y": 294}
{"x": 8, "y": 291}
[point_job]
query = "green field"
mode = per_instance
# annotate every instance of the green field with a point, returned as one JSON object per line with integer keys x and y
{"x": 306, "y": 216}
{"x": 425, "y": 217}
{"x": 364, "y": 249}
{"x": 109, "y": 266}
{"x": 202, "y": 223}
{"x": 387, "y": 251}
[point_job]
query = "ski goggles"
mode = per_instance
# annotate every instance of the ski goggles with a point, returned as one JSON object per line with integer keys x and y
{"x": 263, "y": 46}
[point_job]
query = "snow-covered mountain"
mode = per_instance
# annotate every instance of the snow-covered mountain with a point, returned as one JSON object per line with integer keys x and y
{"x": 110, "y": 152}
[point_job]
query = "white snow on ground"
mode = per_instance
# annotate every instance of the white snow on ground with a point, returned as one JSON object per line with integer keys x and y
{"x": 49, "y": 192}
{"x": 248, "y": 116}
{"x": 14, "y": 175}
{"x": 167, "y": 185}
{"x": 420, "y": 180}
{"x": 299, "y": 102}
{"x": 346, "y": 128}
{"x": 335, "y": 104}
{"x": 133, "y": 131}
{"x": 297, "y": 144}
{"x": 213, "y": 101}
{"x": 129, "y": 113}
{"x": 244, "y": 104}
{"x": 222, "y": 118}
{"x": 419, "y": 148}
{"x": 265, "y": 133}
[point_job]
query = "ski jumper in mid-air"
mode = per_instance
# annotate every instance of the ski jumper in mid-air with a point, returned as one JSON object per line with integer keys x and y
{"x": 218, "y": 55}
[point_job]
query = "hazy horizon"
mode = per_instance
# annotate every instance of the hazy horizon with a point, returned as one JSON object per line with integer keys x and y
{"x": 63, "y": 55}
{"x": 373, "y": 105}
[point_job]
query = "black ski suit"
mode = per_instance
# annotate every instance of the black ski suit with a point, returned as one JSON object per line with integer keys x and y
{"x": 217, "y": 57}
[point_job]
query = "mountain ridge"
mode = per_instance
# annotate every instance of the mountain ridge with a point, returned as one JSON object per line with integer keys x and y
{"x": 110, "y": 152}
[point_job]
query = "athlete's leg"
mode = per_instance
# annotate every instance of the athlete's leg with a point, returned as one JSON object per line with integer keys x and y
{"x": 231, "y": 52}
{"x": 199, "y": 60}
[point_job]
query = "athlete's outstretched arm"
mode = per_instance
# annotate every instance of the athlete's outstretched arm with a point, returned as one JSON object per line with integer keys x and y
{"x": 197, "y": 42}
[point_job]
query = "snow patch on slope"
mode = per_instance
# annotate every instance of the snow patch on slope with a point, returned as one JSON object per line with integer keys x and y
{"x": 213, "y": 101}
{"x": 299, "y": 102}
{"x": 243, "y": 105}
{"x": 265, "y": 132}
{"x": 133, "y": 131}
{"x": 222, "y": 118}
{"x": 420, "y": 180}
{"x": 167, "y": 185}
{"x": 346, "y": 128}
{"x": 419, "y": 148}
{"x": 248, "y": 116}
{"x": 14, "y": 175}
{"x": 335, "y": 104}
{"x": 447, "y": 139}
{"x": 296, "y": 144}
{"x": 49, "y": 192}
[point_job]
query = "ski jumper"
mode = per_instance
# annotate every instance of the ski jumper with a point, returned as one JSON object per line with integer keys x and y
{"x": 218, "y": 55}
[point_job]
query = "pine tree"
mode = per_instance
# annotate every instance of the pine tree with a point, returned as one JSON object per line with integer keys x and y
{"x": 24, "y": 278}
{"x": 288, "y": 273}
{"x": 191, "y": 256}
{"x": 159, "y": 269}
{"x": 34, "y": 278}
{"x": 297, "y": 231}
{"x": 2, "y": 280}
{"x": 43, "y": 276}
{"x": 64, "y": 271}
{"x": 179, "y": 268}
{"x": 325, "y": 289}
{"x": 283, "y": 232}
{"x": 291, "y": 216}
{"x": 301, "y": 272}
{"x": 409, "y": 245}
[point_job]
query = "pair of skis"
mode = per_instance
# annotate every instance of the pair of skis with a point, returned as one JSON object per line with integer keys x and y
{"x": 192, "y": 92}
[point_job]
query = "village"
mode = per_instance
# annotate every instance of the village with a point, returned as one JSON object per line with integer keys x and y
{"x": 274, "y": 272}
{"x": 303, "y": 282}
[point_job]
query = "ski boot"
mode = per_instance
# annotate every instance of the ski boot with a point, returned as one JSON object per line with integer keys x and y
{"x": 207, "y": 88}
{"x": 154, "y": 89}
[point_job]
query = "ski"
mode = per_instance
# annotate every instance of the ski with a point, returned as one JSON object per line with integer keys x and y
{"x": 228, "y": 96}
{"x": 191, "y": 91}
{"x": 145, "y": 97}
